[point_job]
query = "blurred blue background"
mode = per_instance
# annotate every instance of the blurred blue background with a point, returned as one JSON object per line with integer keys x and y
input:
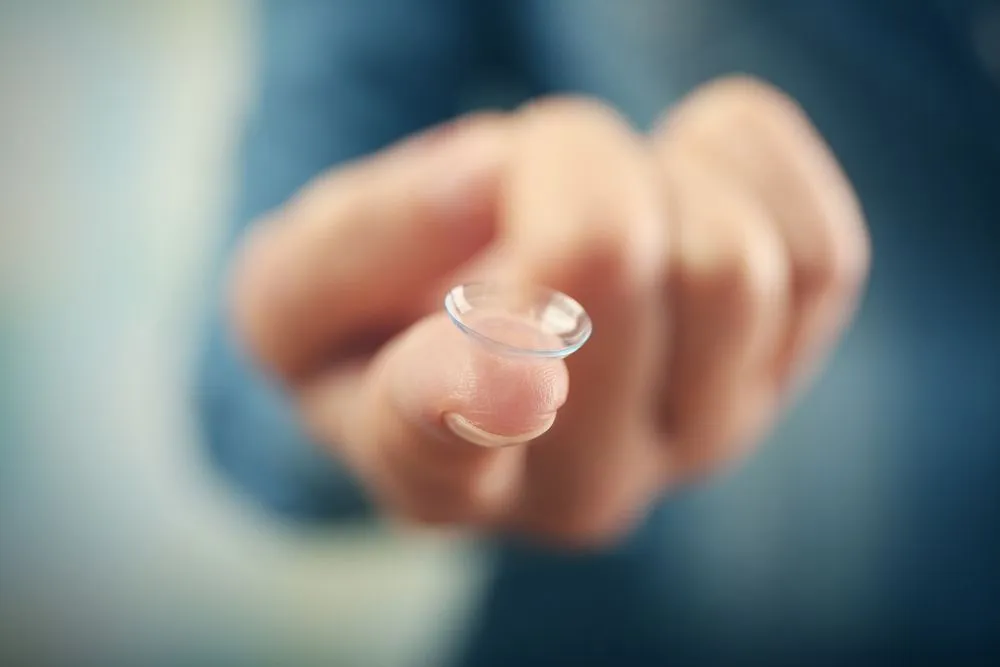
{"x": 872, "y": 516}
{"x": 118, "y": 545}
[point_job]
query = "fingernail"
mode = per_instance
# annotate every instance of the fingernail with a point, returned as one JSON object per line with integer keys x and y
{"x": 469, "y": 432}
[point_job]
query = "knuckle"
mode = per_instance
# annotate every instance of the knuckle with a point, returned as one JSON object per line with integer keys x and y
{"x": 485, "y": 123}
{"x": 603, "y": 261}
{"x": 759, "y": 97}
{"x": 764, "y": 276}
{"x": 837, "y": 268}
{"x": 728, "y": 102}
{"x": 584, "y": 136}
{"x": 571, "y": 112}
{"x": 751, "y": 98}
{"x": 604, "y": 251}
{"x": 744, "y": 268}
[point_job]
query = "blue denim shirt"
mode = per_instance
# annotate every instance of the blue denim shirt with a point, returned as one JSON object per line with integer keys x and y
{"x": 868, "y": 530}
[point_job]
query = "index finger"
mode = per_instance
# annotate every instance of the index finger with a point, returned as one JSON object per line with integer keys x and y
{"x": 355, "y": 248}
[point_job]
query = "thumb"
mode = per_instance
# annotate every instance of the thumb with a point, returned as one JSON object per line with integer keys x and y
{"x": 354, "y": 248}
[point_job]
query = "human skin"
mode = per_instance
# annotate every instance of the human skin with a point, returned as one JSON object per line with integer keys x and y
{"x": 720, "y": 257}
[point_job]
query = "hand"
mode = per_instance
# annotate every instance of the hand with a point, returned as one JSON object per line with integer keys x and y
{"x": 719, "y": 259}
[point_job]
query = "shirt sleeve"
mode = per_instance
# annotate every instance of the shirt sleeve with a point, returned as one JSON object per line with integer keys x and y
{"x": 337, "y": 79}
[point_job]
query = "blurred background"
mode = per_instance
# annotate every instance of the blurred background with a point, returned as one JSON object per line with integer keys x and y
{"x": 875, "y": 511}
{"x": 117, "y": 543}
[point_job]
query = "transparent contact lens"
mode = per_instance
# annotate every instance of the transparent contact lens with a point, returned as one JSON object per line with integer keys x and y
{"x": 522, "y": 320}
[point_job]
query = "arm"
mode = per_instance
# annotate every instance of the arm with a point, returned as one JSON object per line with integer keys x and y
{"x": 339, "y": 79}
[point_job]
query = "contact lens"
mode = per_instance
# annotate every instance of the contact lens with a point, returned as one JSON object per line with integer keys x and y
{"x": 521, "y": 320}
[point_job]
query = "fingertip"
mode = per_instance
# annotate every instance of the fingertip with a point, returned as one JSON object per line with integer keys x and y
{"x": 445, "y": 380}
